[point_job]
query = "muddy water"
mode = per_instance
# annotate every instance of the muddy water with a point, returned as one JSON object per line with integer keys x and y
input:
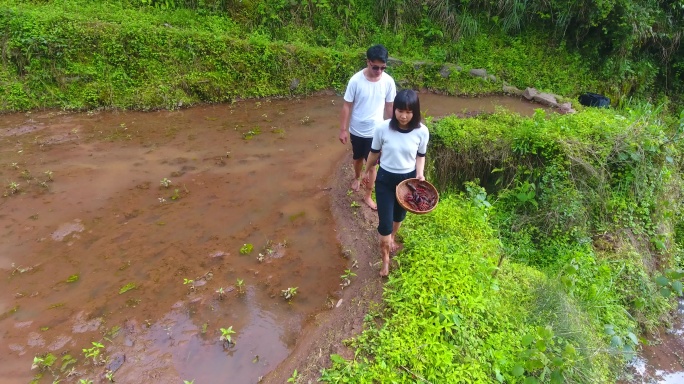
{"x": 95, "y": 248}
{"x": 661, "y": 360}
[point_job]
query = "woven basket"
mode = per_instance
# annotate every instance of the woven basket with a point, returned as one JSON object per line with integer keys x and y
{"x": 404, "y": 190}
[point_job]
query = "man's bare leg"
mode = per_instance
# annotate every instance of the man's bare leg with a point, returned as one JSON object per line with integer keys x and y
{"x": 368, "y": 199}
{"x": 384, "y": 253}
{"x": 358, "y": 167}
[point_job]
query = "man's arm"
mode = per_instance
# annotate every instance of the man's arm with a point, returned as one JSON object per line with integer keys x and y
{"x": 344, "y": 121}
{"x": 388, "y": 110}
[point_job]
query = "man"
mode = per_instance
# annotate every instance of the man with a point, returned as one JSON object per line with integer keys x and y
{"x": 367, "y": 102}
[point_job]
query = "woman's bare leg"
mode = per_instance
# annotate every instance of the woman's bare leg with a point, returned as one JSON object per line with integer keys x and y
{"x": 393, "y": 237}
{"x": 368, "y": 199}
{"x": 385, "y": 253}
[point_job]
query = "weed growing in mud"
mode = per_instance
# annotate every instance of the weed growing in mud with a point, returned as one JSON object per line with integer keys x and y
{"x": 240, "y": 286}
{"x": 20, "y": 269}
{"x": 85, "y": 381}
{"x": 251, "y": 133}
{"x": 221, "y": 292}
{"x": 12, "y": 188}
{"x": 176, "y": 194}
{"x": 120, "y": 133}
{"x": 293, "y": 378}
{"x": 48, "y": 175}
{"x": 72, "y": 279}
{"x": 189, "y": 381}
{"x": 165, "y": 182}
{"x": 246, "y": 249}
{"x": 94, "y": 353}
{"x": 14, "y": 165}
{"x": 346, "y": 278}
{"x": 189, "y": 282}
{"x": 354, "y": 204}
{"x": 109, "y": 375}
{"x": 305, "y": 120}
{"x": 289, "y": 293}
{"x": 43, "y": 362}
{"x": 112, "y": 333}
{"x": 127, "y": 288}
{"x": 225, "y": 336}
{"x": 26, "y": 174}
{"x": 350, "y": 192}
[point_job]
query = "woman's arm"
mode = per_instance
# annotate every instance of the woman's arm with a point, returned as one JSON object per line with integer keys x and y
{"x": 420, "y": 167}
{"x": 372, "y": 160}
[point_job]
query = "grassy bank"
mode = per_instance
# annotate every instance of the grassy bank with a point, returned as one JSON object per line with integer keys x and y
{"x": 71, "y": 55}
{"x": 552, "y": 273}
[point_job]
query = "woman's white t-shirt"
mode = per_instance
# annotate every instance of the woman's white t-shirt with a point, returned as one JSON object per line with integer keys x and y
{"x": 399, "y": 148}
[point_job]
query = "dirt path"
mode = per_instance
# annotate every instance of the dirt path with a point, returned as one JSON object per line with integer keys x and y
{"x": 323, "y": 334}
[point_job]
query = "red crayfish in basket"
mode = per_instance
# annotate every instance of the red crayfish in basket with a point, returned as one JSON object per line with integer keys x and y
{"x": 419, "y": 197}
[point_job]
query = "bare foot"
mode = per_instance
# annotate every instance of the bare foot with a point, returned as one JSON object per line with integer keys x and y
{"x": 394, "y": 247}
{"x": 369, "y": 202}
{"x": 385, "y": 270}
{"x": 355, "y": 185}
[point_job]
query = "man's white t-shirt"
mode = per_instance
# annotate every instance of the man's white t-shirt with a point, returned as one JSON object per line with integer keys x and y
{"x": 368, "y": 98}
{"x": 399, "y": 148}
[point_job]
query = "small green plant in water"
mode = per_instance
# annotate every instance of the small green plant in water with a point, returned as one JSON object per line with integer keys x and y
{"x": 246, "y": 249}
{"x": 13, "y": 187}
{"x": 165, "y": 182}
{"x": 176, "y": 194}
{"x": 43, "y": 362}
{"x": 289, "y": 293}
{"x": 85, "y": 381}
{"x": 251, "y": 133}
{"x": 127, "y": 288}
{"x": 93, "y": 352}
{"x": 48, "y": 175}
{"x": 72, "y": 278}
{"x": 354, "y": 204}
{"x": 188, "y": 381}
{"x": 189, "y": 282}
{"x": 240, "y": 286}
{"x": 221, "y": 292}
{"x": 226, "y": 337}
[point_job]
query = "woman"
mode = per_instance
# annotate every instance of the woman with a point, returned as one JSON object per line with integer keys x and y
{"x": 403, "y": 142}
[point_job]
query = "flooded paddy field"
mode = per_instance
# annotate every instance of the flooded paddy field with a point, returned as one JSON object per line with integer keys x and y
{"x": 144, "y": 238}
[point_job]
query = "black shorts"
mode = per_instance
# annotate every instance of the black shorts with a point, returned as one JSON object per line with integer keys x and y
{"x": 361, "y": 146}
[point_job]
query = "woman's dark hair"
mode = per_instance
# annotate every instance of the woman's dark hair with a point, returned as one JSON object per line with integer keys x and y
{"x": 406, "y": 99}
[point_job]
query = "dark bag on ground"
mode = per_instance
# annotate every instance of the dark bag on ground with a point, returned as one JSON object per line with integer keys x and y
{"x": 594, "y": 100}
